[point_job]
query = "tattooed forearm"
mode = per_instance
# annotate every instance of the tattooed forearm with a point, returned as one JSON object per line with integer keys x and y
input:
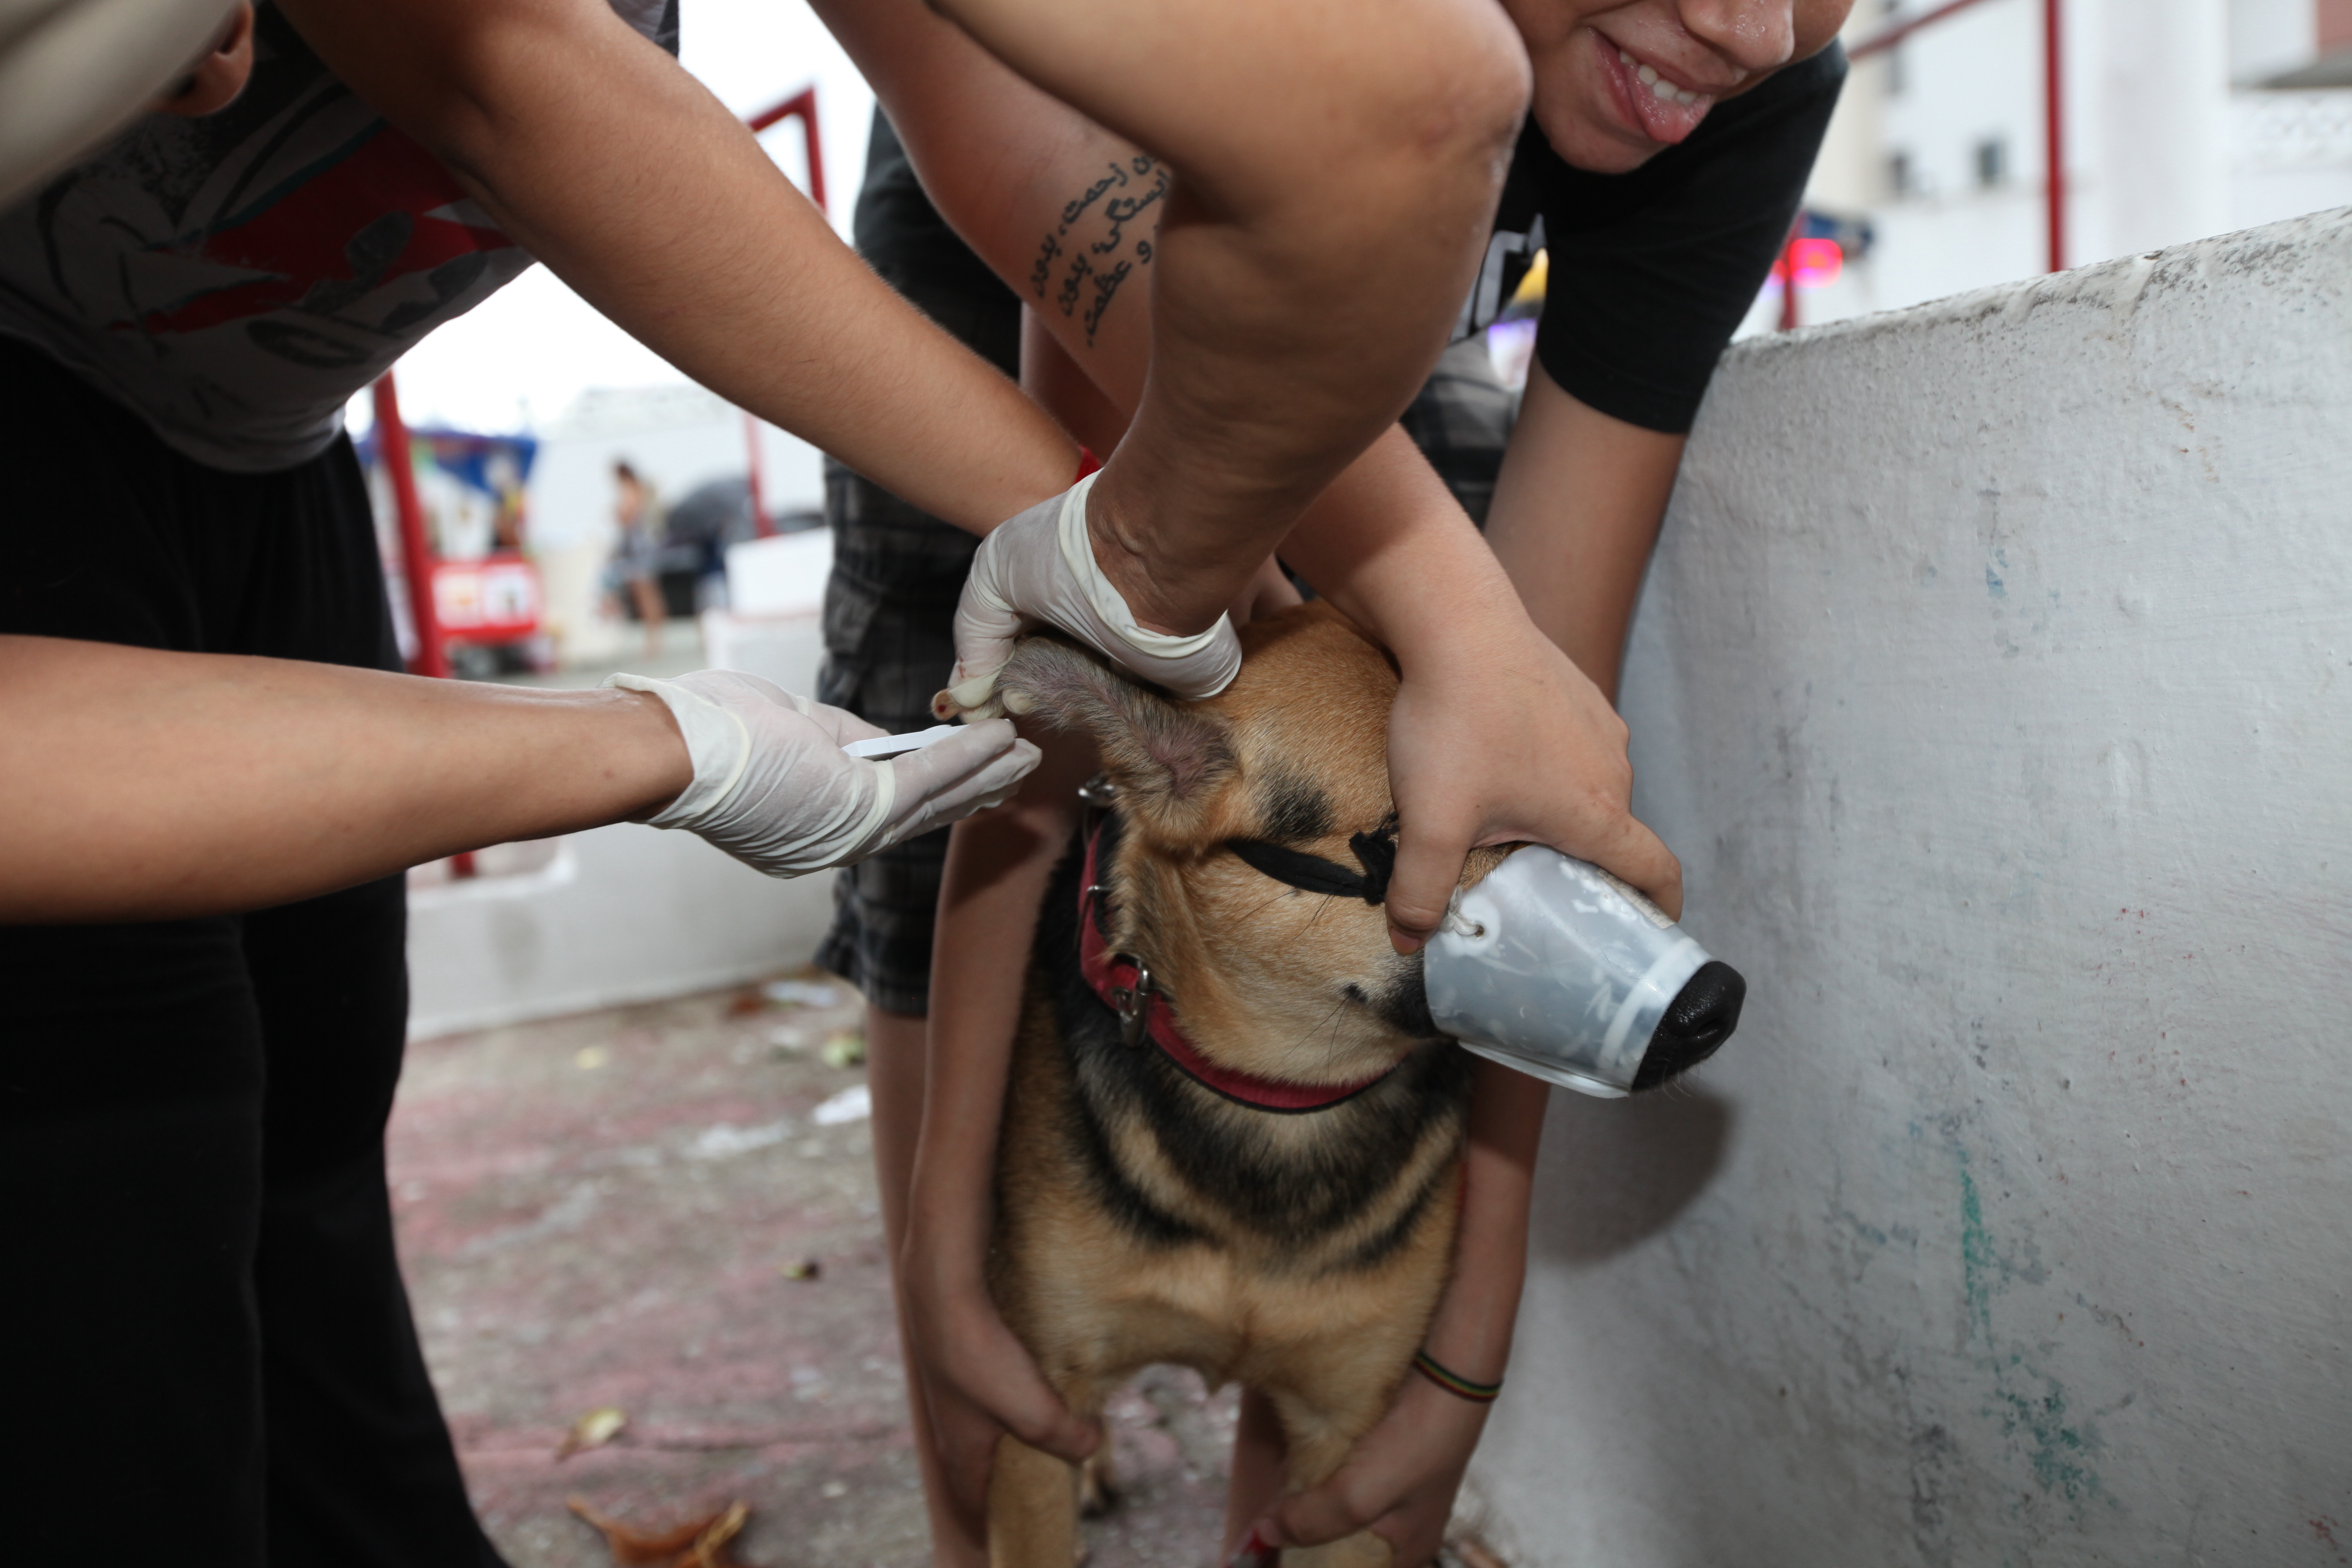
{"x": 1122, "y": 210}
{"x": 1074, "y": 284}
{"x": 1044, "y": 267}
{"x": 1121, "y": 230}
{"x": 1118, "y": 177}
{"x": 1106, "y": 287}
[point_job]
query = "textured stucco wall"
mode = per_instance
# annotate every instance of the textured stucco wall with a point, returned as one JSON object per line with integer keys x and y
{"x": 1995, "y": 683}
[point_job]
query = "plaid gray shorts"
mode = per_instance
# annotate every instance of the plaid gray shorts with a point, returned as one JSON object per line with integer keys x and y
{"x": 888, "y": 640}
{"x": 889, "y": 610}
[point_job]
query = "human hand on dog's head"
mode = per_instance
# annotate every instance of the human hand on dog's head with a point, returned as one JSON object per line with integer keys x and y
{"x": 1498, "y": 739}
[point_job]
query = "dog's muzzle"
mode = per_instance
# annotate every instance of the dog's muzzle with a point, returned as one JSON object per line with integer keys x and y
{"x": 1555, "y": 967}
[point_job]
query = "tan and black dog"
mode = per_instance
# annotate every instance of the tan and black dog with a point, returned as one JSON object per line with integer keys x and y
{"x": 1232, "y": 1138}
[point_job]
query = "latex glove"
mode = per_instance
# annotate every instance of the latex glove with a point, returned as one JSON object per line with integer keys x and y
{"x": 1039, "y": 569}
{"x": 773, "y": 788}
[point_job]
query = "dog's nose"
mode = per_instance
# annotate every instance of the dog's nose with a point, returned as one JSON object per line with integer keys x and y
{"x": 1699, "y": 1019}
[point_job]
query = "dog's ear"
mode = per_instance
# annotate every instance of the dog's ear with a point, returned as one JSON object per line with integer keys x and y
{"x": 1169, "y": 760}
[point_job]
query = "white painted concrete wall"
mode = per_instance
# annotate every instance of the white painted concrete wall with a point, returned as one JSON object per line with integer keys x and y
{"x": 624, "y": 914}
{"x": 1995, "y": 683}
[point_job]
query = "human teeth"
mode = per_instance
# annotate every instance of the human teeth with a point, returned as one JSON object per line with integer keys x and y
{"x": 1626, "y": 58}
{"x": 1663, "y": 91}
{"x": 1649, "y": 74}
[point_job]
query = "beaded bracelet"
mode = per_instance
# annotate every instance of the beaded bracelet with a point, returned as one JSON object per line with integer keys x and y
{"x": 1453, "y": 1383}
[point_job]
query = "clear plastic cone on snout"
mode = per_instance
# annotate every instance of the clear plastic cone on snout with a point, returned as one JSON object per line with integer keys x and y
{"x": 1555, "y": 967}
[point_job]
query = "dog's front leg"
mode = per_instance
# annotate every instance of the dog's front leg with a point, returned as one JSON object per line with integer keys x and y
{"x": 1318, "y": 1442}
{"x": 1033, "y": 1508}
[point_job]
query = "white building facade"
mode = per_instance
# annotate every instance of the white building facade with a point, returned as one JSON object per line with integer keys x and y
{"x": 2182, "y": 119}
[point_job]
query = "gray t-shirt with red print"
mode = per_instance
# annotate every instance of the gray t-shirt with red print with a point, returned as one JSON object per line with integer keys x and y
{"x": 235, "y": 279}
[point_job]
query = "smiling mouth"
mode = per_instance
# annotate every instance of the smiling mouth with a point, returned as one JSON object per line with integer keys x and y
{"x": 1656, "y": 107}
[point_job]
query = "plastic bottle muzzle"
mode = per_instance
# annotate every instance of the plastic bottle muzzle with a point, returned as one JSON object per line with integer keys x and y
{"x": 1556, "y": 968}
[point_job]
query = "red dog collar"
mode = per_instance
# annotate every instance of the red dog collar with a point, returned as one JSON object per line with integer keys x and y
{"x": 1126, "y": 987}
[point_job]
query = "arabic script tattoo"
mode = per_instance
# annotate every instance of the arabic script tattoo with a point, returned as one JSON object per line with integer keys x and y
{"x": 1105, "y": 219}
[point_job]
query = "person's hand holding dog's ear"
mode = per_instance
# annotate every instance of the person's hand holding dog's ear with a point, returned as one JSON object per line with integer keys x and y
{"x": 1039, "y": 568}
{"x": 1512, "y": 744}
{"x": 773, "y": 787}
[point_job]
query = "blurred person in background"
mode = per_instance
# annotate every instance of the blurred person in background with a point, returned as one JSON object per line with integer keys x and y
{"x": 635, "y": 569}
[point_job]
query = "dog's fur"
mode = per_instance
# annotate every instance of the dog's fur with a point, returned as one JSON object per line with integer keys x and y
{"x": 1141, "y": 1217}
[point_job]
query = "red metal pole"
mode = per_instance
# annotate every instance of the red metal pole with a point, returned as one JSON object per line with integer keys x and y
{"x": 415, "y": 551}
{"x": 1894, "y": 33}
{"x": 2053, "y": 128}
{"x": 801, "y": 106}
{"x": 753, "y": 475}
{"x": 1790, "y": 319}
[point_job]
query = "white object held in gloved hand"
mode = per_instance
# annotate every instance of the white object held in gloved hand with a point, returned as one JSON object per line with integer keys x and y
{"x": 773, "y": 787}
{"x": 1039, "y": 569}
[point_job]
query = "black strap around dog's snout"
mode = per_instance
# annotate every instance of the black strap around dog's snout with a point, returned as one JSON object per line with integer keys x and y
{"x": 1313, "y": 874}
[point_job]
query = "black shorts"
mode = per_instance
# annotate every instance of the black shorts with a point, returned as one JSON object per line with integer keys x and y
{"x": 204, "y": 1323}
{"x": 889, "y": 644}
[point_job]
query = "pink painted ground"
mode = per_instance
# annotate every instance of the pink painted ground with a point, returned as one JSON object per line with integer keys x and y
{"x": 600, "y": 1211}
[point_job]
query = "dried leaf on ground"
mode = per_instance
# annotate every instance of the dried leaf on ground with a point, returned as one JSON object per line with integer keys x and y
{"x": 842, "y": 1050}
{"x": 707, "y": 1542}
{"x": 593, "y": 1430}
{"x": 806, "y": 1269}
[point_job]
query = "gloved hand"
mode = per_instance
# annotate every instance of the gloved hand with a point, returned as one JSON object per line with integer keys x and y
{"x": 1039, "y": 569}
{"x": 773, "y": 788}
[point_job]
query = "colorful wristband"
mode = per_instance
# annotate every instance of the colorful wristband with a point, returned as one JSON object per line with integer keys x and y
{"x": 1453, "y": 1383}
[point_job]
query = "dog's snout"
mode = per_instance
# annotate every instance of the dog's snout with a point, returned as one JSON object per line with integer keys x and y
{"x": 1699, "y": 1019}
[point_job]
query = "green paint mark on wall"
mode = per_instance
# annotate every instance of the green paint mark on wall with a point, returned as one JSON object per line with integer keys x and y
{"x": 2056, "y": 1454}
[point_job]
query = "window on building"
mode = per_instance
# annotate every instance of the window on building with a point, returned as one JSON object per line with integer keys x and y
{"x": 1992, "y": 164}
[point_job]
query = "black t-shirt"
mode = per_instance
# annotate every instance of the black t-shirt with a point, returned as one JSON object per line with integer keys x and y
{"x": 903, "y": 237}
{"x": 1651, "y": 272}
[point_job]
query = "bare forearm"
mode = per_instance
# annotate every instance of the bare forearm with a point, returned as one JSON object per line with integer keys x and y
{"x": 1471, "y": 1331}
{"x": 1575, "y": 514}
{"x": 1295, "y": 140}
{"x": 1388, "y": 544}
{"x": 997, "y": 868}
{"x": 606, "y": 161}
{"x": 145, "y": 785}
